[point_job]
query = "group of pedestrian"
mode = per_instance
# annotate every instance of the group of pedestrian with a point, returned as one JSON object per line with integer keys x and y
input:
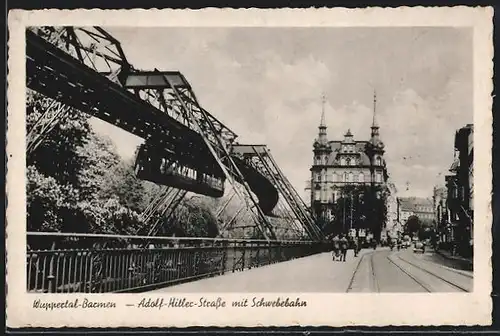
{"x": 341, "y": 244}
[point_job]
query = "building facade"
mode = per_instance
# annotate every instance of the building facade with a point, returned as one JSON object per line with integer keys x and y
{"x": 393, "y": 226}
{"x": 460, "y": 191}
{"x": 405, "y": 211}
{"x": 421, "y": 207}
{"x": 441, "y": 214}
{"x": 339, "y": 164}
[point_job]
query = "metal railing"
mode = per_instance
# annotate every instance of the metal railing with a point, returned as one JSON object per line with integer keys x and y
{"x": 165, "y": 261}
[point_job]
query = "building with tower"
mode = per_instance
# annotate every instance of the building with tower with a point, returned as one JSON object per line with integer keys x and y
{"x": 340, "y": 166}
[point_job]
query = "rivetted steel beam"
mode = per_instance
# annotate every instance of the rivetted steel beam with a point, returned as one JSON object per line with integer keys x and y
{"x": 57, "y": 75}
{"x": 248, "y": 150}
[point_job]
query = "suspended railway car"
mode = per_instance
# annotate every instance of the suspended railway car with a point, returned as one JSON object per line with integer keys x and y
{"x": 58, "y": 75}
{"x": 260, "y": 185}
{"x": 161, "y": 167}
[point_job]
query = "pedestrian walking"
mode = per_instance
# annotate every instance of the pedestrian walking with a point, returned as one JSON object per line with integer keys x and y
{"x": 343, "y": 247}
{"x": 336, "y": 247}
{"x": 355, "y": 244}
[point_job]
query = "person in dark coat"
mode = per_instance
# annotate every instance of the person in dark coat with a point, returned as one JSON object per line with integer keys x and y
{"x": 336, "y": 247}
{"x": 355, "y": 246}
{"x": 343, "y": 247}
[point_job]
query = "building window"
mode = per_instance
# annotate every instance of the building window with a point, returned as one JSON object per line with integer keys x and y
{"x": 378, "y": 178}
{"x": 318, "y": 178}
{"x": 379, "y": 161}
{"x": 334, "y": 177}
{"x": 317, "y": 195}
{"x": 356, "y": 178}
{"x": 351, "y": 177}
{"x": 361, "y": 177}
{"x": 342, "y": 162}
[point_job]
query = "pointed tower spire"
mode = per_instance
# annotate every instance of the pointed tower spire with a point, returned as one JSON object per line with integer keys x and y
{"x": 375, "y": 126}
{"x": 322, "y": 126}
{"x": 323, "y": 102}
{"x": 374, "y": 123}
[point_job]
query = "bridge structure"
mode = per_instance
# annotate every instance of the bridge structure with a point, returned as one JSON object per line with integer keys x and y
{"x": 186, "y": 150}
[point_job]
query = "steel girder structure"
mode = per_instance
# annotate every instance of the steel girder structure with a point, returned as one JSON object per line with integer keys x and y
{"x": 260, "y": 157}
{"x": 99, "y": 50}
{"x": 217, "y": 137}
{"x": 94, "y": 48}
{"x": 55, "y": 74}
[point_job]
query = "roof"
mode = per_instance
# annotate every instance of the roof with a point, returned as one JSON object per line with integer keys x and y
{"x": 411, "y": 203}
{"x": 334, "y": 158}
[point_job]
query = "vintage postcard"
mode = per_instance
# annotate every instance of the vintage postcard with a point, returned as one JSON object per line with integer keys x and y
{"x": 174, "y": 168}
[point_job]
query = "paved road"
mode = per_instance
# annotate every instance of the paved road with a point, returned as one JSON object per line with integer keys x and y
{"x": 381, "y": 270}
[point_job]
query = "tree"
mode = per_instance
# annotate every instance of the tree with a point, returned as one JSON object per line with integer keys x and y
{"x": 76, "y": 182}
{"x": 121, "y": 182}
{"x": 99, "y": 159}
{"x": 360, "y": 206}
{"x": 57, "y": 156}
{"x": 67, "y": 173}
{"x": 413, "y": 225}
{"x": 47, "y": 201}
{"x": 52, "y": 170}
{"x": 192, "y": 218}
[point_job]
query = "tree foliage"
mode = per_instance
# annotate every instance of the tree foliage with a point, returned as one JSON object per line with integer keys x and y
{"x": 76, "y": 182}
{"x": 121, "y": 182}
{"x": 359, "y": 206}
{"x": 57, "y": 156}
{"x": 192, "y": 218}
{"x": 49, "y": 203}
{"x": 413, "y": 225}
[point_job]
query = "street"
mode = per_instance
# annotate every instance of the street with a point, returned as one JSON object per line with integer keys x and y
{"x": 372, "y": 271}
{"x": 404, "y": 271}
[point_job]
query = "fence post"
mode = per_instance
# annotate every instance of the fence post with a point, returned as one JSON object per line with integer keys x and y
{"x": 235, "y": 249}
{"x": 270, "y": 253}
{"x": 243, "y": 254}
{"x": 250, "y": 258}
{"x": 131, "y": 270}
{"x": 224, "y": 257}
{"x": 257, "y": 254}
{"x": 51, "y": 277}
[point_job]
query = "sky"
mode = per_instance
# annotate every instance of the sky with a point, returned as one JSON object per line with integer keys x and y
{"x": 266, "y": 85}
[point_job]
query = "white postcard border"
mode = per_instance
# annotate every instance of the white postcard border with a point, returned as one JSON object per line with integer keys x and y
{"x": 323, "y": 308}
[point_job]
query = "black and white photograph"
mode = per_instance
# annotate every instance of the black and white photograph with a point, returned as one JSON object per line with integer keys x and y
{"x": 162, "y": 160}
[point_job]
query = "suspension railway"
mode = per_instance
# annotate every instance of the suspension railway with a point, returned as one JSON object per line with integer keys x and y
{"x": 185, "y": 149}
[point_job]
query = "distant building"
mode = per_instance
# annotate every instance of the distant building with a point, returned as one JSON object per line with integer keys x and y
{"x": 423, "y": 208}
{"x": 393, "y": 226}
{"x": 341, "y": 163}
{"x": 405, "y": 211}
{"x": 460, "y": 186}
{"x": 441, "y": 214}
